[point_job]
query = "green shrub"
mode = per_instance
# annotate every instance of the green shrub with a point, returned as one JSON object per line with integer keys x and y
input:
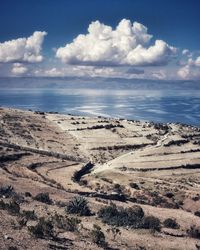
{"x": 43, "y": 229}
{"x": 65, "y": 223}
{"x": 171, "y": 223}
{"x": 151, "y": 222}
{"x": 12, "y": 207}
{"x": 114, "y": 216}
{"x": 71, "y": 224}
{"x": 78, "y": 205}
{"x": 43, "y": 197}
{"x": 98, "y": 236}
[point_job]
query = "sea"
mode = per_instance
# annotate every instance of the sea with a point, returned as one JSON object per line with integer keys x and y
{"x": 146, "y": 100}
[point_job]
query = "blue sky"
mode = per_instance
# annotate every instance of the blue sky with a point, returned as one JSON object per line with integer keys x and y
{"x": 131, "y": 38}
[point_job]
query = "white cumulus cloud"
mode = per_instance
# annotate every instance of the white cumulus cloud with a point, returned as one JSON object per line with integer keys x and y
{"x": 128, "y": 44}
{"x": 191, "y": 70}
{"x": 23, "y": 49}
{"x": 19, "y": 69}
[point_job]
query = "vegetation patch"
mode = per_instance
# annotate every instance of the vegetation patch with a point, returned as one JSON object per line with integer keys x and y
{"x": 131, "y": 217}
{"x": 43, "y": 229}
{"x": 43, "y": 197}
{"x": 12, "y": 207}
{"x": 6, "y": 191}
{"x": 194, "y": 232}
{"x": 78, "y": 205}
{"x": 151, "y": 222}
{"x": 83, "y": 171}
{"x": 66, "y": 223}
{"x": 171, "y": 223}
{"x": 98, "y": 236}
{"x": 197, "y": 213}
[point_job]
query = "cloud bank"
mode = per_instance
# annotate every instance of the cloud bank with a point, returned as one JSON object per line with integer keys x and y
{"x": 128, "y": 44}
{"x": 191, "y": 70}
{"x": 126, "y": 51}
{"x": 19, "y": 69}
{"x": 23, "y": 49}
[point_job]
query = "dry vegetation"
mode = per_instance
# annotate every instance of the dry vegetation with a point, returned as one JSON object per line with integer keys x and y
{"x": 71, "y": 182}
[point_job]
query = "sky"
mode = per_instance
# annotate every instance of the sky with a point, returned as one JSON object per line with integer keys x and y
{"x": 145, "y": 39}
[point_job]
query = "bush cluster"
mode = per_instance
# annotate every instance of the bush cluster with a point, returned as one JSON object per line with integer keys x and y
{"x": 151, "y": 222}
{"x": 171, "y": 223}
{"x": 12, "y": 207}
{"x": 132, "y": 217}
{"x": 98, "y": 236}
{"x": 43, "y": 197}
{"x": 28, "y": 215}
{"x": 66, "y": 223}
{"x": 6, "y": 191}
{"x": 83, "y": 171}
{"x": 78, "y": 205}
{"x": 194, "y": 232}
{"x": 43, "y": 229}
{"x": 197, "y": 213}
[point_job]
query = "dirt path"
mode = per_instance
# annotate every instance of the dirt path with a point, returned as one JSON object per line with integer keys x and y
{"x": 107, "y": 165}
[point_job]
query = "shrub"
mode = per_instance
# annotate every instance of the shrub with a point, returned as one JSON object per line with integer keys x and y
{"x": 43, "y": 229}
{"x": 29, "y": 215}
{"x": 66, "y": 223}
{"x": 71, "y": 224}
{"x": 151, "y": 222}
{"x": 6, "y": 191}
{"x": 78, "y": 205}
{"x": 22, "y": 222}
{"x": 83, "y": 182}
{"x": 114, "y": 216}
{"x": 158, "y": 200}
{"x": 117, "y": 187}
{"x": 98, "y": 236}
{"x": 28, "y": 194}
{"x": 84, "y": 170}
{"x": 12, "y": 248}
{"x": 43, "y": 197}
{"x": 169, "y": 194}
{"x": 134, "y": 185}
{"x": 12, "y": 207}
{"x": 171, "y": 223}
{"x": 115, "y": 231}
{"x": 197, "y": 213}
{"x": 2, "y": 205}
{"x": 194, "y": 232}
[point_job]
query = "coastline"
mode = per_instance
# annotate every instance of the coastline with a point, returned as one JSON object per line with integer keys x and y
{"x": 104, "y": 116}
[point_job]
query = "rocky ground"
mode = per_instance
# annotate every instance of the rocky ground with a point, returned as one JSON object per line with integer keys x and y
{"x": 71, "y": 182}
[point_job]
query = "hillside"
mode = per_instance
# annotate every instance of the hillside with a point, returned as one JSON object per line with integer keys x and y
{"x": 141, "y": 181}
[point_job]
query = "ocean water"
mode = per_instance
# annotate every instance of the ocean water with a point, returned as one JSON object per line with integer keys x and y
{"x": 149, "y": 101}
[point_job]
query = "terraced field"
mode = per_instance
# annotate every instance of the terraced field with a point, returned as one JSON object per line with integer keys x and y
{"x": 154, "y": 166}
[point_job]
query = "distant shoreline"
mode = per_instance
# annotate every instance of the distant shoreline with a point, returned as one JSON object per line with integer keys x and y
{"x": 96, "y": 116}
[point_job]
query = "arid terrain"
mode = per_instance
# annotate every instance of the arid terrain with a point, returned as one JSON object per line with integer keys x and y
{"x": 73, "y": 182}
